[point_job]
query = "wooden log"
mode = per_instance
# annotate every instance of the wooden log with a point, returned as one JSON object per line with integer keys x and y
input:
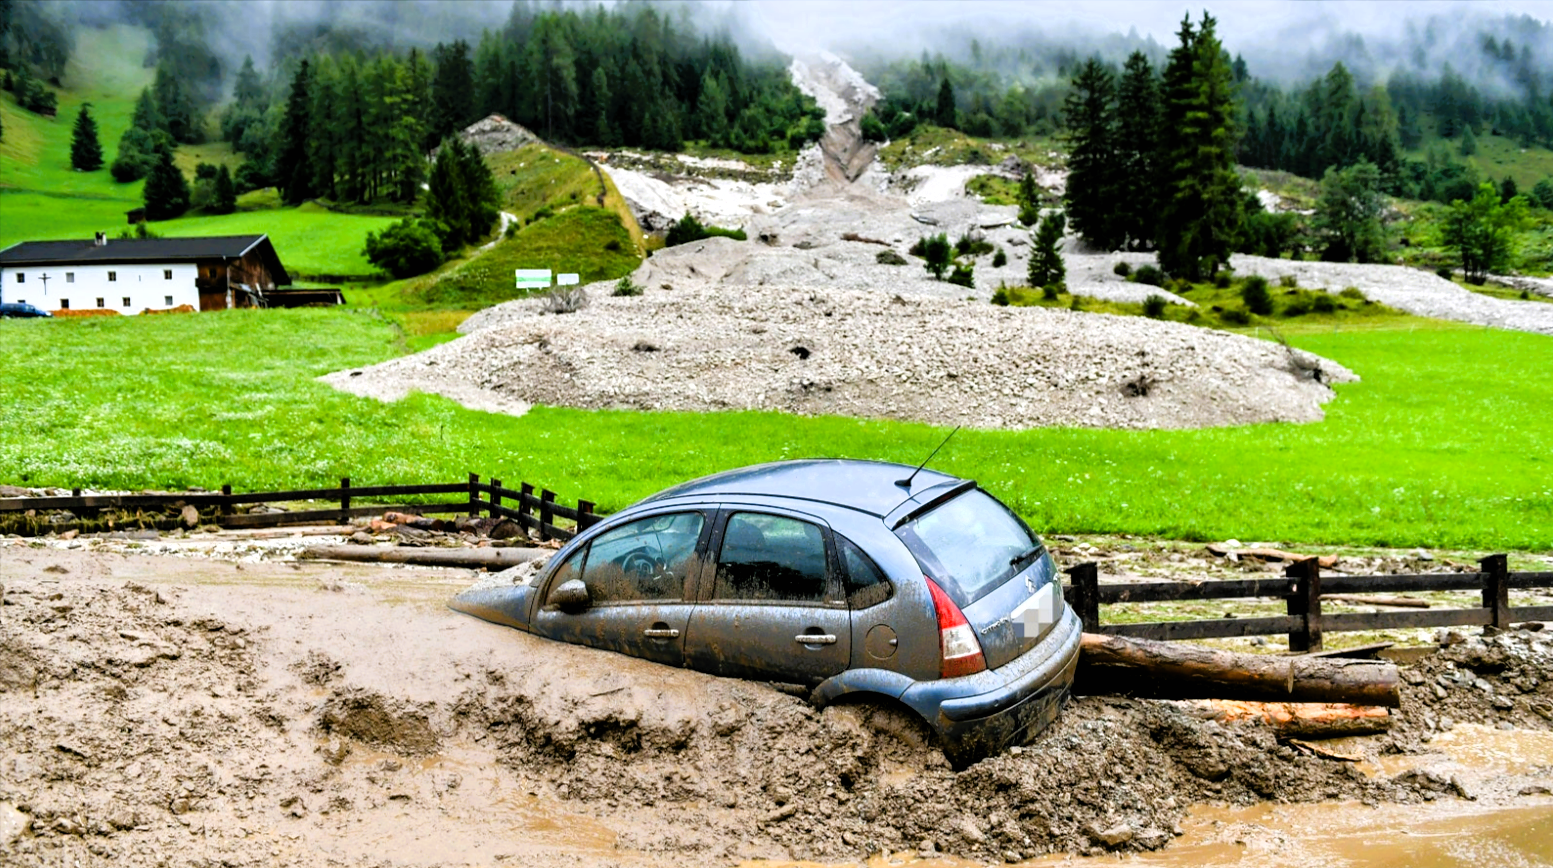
{"x": 1318, "y": 720}
{"x": 1402, "y": 602}
{"x": 1161, "y": 670}
{"x": 490, "y": 558}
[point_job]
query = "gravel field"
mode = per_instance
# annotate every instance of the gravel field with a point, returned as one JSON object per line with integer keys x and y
{"x": 860, "y": 353}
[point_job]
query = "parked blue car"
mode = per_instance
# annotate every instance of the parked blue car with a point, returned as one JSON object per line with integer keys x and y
{"x": 21, "y": 310}
{"x": 858, "y": 580}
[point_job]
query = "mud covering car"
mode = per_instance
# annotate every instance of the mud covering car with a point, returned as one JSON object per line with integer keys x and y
{"x": 857, "y": 580}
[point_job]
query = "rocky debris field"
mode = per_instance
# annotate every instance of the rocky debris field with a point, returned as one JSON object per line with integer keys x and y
{"x": 853, "y": 353}
{"x": 168, "y": 711}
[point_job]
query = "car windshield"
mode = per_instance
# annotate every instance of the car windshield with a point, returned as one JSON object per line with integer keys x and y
{"x": 970, "y": 545}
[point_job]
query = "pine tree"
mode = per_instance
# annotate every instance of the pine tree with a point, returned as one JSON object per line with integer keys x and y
{"x": 944, "y": 114}
{"x": 1046, "y": 266}
{"x": 85, "y": 151}
{"x": 138, "y": 145}
{"x": 1201, "y": 209}
{"x": 712, "y": 111}
{"x": 166, "y": 193}
{"x": 452, "y": 90}
{"x": 178, "y": 115}
{"x": 225, "y": 199}
{"x": 1469, "y": 142}
{"x": 1137, "y": 148}
{"x": 1092, "y": 190}
{"x": 294, "y": 174}
{"x": 603, "y": 132}
{"x": 1029, "y": 199}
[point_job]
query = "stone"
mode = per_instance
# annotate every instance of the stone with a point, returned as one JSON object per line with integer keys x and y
{"x": 190, "y": 517}
{"x": 1111, "y": 836}
{"x": 12, "y": 823}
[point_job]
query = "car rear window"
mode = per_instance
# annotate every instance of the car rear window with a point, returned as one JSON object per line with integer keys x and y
{"x": 967, "y": 544}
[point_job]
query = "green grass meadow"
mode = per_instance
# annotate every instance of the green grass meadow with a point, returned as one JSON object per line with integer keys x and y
{"x": 1445, "y": 442}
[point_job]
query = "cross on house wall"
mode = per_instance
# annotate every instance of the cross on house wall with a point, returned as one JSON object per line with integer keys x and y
{"x": 45, "y": 279}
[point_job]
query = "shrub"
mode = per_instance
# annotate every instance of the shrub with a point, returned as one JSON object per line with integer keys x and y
{"x": 936, "y": 252}
{"x": 1150, "y": 275}
{"x": 889, "y": 257}
{"x": 406, "y": 248}
{"x": 1353, "y": 293}
{"x": 999, "y": 259}
{"x": 1288, "y": 281}
{"x": 1236, "y": 316}
{"x": 1051, "y": 291}
{"x": 566, "y": 299}
{"x": 1255, "y": 295}
{"x": 964, "y": 274}
{"x": 1298, "y": 307}
{"x": 625, "y": 287}
{"x": 1000, "y": 298}
{"x": 1445, "y": 272}
{"x": 1178, "y": 285}
{"x": 1076, "y": 303}
{"x": 970, "y": 244}
{"x": 1323, "y": 303}
{"x": 1154, "y": 306}
{"x": 918, "y": 247}
{"x": 1222, "y": 280}
{"x": 1122, "y": 269}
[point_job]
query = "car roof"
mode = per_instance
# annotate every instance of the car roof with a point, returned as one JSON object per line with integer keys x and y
{"x": 866, "y": 486}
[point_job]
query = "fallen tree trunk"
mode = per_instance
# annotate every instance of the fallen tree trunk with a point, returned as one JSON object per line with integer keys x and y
{"x": 1314, "y": 720}
{"x": 492, "y": 558}
{"x": 1166, "y": 670}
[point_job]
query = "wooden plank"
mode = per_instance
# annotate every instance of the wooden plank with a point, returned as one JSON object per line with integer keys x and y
{"x": 1217, "y": 629}
{"x": 1358, "y": 652}
{"x": 1530, "y": 613}
{"x": 566, "y": 512}
{"x": 309, "y": 516}
{"x": 1406, "y": 583}
{"x": 355, "y": 492}
{"x": 550, "y": 531}
{"x": 490, "y": 558}
{"x": 111, "y": 501}
{"x": 495, "y": 488}
{"x": 1159, "y": 592}
{"x": 1531, "y": 580}
{"x": 1351, "y": 621}
{"x": 1084, "y": 594}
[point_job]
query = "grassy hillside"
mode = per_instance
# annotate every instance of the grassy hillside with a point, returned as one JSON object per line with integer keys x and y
{"x": 1392, "y": 463}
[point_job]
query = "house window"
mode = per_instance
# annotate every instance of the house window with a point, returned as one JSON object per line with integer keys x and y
{"x": 167, "y": 274}
{"x": 70, "y": 277}
{"x": 64, "y": 304}
{"x": 21, "y": 277}
{"x": 126, "y": 301}
{"x": 100, "y": 302}
{"x": 169, "y": 300}
{"x": 113, "y": 276}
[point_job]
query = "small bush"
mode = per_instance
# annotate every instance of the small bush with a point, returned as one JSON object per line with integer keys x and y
{"x": 1256, "y": 297}
{"x": 566, "y": 299}
{"x": 406, "y": 248}
{"x": 964, "y": 274}
{"x": 690, "y": 229}
{"x": 1222, "y": 280}
{"x": 971, "y": 244}
{"x": 1000, "y": 298}
{"x": 1323, "y": 303}
{"x": 889, "y": 257}
{"x": 1122, "y": 269}
{"x": 1076, "y": 303}
{"x": 1236, "y": 316}
{"x": 999, "y": 259}
{"x": 1150, "y": 275}
{"x": 936, "y": 252}
{"x": 1051, "y": 291}
{"x": 1178, "y": 285}
{"x": 1354, "y": 293}
{"x": 918, "y": 247}
{"x": 625, "y": 287}
{"x": 1445, "y": 272}
{"x": 613, "y": 245}
{"x": 1288, "y": 281}
{"x": 1298, "y": 307}
{"x": 1154, "y": 306}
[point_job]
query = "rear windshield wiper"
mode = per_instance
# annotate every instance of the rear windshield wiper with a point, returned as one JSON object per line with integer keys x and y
{"x": 1025, "y": 555}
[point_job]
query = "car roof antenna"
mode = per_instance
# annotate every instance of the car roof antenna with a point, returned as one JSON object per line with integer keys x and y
{"x": 906, "y": 483}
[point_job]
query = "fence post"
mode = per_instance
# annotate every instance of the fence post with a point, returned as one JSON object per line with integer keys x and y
{"x": 1305, "y": 604}
{"x": 474, "y": 495}
{"x": 585, "y": 516}
{"x": 546, "y": 513}
{"x": 1086, "y": 594}
{"x": 1496, "y": 592}
{"x": 495, "y": 498}
{"x": 226, "y": 499}
{"x": 525, "y": 512}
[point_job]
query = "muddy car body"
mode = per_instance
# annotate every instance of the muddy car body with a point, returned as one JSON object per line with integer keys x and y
{"x": 836, "y": 575}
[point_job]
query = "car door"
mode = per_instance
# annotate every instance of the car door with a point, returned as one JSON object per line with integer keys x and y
{"x": 640, "y": 578}
{"x": 773, "y": 608}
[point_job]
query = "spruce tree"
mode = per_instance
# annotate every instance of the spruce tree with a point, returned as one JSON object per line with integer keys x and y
{"x": 85, "y": 151}
{"x": 1092, "y": 190}
{"x": 1469, "y": 142}
{"x": 166, "y": 193}
{"x": 1046, "y": 266}
{"x": 944, "y": 114}
{"x": 1137, "y": 151}
{"x": 225, "y": 199}
{"x": 1201, "y": 209}
{"x": 139, "y": 144}
{"x": 294, "y": 174}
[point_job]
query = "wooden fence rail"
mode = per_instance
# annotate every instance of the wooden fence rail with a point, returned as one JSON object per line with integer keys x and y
{"x": 1302, "y": 588}
{"x": 539, "y": 512}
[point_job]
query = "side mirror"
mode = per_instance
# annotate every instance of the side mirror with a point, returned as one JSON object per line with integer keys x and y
{"x": 570, "y": 596}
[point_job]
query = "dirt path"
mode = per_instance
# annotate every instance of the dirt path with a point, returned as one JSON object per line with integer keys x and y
{"x": 161, "y": 710}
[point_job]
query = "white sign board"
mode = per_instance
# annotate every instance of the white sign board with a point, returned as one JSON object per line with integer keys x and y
{"x": 533, "y": 278}
{"x": 566, "y": 280}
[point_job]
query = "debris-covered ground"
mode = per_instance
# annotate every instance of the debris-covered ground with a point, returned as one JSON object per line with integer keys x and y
{"x": 160, "y": 710}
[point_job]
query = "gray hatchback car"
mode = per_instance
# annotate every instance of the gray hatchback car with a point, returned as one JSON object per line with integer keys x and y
{"x": 856, "y": 579}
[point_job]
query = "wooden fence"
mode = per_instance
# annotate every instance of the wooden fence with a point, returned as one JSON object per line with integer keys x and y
{"x": 538, "y": 512}
{"x": 1302, "y": 587}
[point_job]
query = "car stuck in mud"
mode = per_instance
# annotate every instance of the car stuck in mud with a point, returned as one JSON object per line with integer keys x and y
{"x": 856, "y": 580}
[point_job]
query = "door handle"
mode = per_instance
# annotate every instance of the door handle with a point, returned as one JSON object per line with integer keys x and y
{"x": 658, "y": 633}
{"x": 815, "y": 639}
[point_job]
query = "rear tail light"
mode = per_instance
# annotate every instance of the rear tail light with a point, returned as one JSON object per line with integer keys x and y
{"x": 961, "y": 652}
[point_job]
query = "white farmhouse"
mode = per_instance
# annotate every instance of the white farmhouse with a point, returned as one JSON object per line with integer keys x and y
{"x": 131, "y": 276}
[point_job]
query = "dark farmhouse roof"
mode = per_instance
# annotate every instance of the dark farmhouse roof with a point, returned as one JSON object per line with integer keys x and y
{"x": 146, "y": 250}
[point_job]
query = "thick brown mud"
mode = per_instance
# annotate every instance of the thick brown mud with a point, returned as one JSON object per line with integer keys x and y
{"x": 185, "y": 712}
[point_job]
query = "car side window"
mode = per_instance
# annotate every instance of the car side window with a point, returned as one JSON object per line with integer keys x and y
{"x": 643, "y": 560}
{"x": 771, "y": 557}
{"x": 865, "y": 584}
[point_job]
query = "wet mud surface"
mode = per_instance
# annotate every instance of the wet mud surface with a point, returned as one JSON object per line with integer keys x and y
{"x": 175, "y": 711}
